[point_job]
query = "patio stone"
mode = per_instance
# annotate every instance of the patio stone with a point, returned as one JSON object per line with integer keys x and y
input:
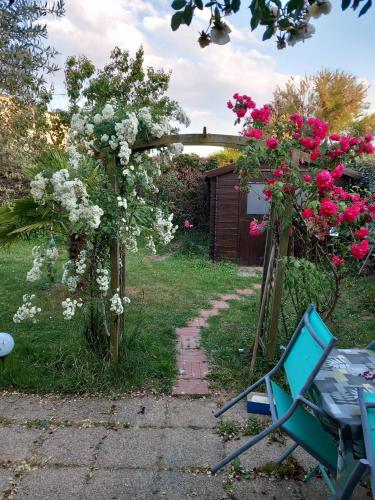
{"x": 230, "y": 296}
{"x": 260, "y": 488}
{"x": 191, "y": 448}
{"x": 192, "y": 364}
{"x": 188, "y": 331}
{"x": 182, "y": 485}
{"x": 132, "y": 448}
{"x": 5, "y": 479}
{"x": 52, "y": 484}
{"x": 25, "y": 407}
{"x": 188, "y": 343}
{"x": 191, "y": 413}
{"x": 83, "y": 409}
{"x": 122, "y": 484}
{"x": 197, "y": 322}
{"x": 219, "y": 304}
{"x": 146, "y": 411}
{"x": 257, "y": 286}
{"x": 190, "y": 387}
{"x": 245, "y": 291}
{"x": 208, "y": 313}
{"x": 72, "y": 446}
{"x": 17, "y": 443}
{"x": 257, "y": 455}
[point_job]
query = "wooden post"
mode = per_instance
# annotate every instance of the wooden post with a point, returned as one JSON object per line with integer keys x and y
{"x": 114, "y": 329}
{"x": 285, "y": 225}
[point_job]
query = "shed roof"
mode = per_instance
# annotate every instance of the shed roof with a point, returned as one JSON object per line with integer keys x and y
{"x": 226, "y": 169}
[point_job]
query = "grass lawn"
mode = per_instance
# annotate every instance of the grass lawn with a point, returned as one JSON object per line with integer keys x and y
{"x": 52, "y": 355}
{"x": 353, "y": 323}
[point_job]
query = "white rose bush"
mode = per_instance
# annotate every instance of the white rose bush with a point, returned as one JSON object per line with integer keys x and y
{"x": 101, "y": 195}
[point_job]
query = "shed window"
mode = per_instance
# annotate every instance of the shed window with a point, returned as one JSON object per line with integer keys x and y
{"x": 256, "y": 204}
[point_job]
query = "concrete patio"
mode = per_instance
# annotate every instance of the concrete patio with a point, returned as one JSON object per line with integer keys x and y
{"x": 137, "y": 447}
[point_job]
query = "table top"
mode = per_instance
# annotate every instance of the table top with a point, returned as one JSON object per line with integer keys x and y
{"x": 335, "y": 386}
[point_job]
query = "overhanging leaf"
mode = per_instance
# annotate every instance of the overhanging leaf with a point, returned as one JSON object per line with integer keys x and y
{"x": 178, "y": 4}
{"x": 177, "y": 20}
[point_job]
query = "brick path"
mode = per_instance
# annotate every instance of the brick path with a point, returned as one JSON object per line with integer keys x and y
{"x": 192, "y": 362}
{"x": 141, "y": 448}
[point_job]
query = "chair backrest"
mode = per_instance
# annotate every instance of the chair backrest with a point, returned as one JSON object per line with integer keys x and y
{"x": 307, "y": 351}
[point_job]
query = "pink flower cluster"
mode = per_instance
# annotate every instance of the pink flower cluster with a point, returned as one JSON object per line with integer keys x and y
{"x": 242, "y": 104}
{"x": 187, "y": 224}
{"x": 256, "y": 228}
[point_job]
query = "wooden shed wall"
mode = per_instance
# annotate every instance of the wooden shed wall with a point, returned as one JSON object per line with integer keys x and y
{"x": 225, "y": 217}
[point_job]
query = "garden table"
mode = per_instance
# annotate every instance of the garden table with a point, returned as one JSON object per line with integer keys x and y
{"x": 335, "y": 391}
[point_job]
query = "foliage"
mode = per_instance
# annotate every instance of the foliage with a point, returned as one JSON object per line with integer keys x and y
{"x": 227, "y": 429}
{"x": 182, "y": 186}
{"x": 337, "y": 97}
{"x": 226, "y": 156}
{"x": 25, "y": 60}
{"x": 52, "y": 355}
{"x": 253, "y": 426}
{"x": 288, "y": 20}
{"x": 124, "y": 79}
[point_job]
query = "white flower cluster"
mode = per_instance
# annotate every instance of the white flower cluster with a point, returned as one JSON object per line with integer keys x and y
{"x": 72, "y": 196}
{"x": 77, "y": 123}
{"x": 108, "y": 112}
{"x": 127, "y": 129}
{"x": 81, "y": 262}
{"x": 121, "y": 202}
{"x": 117, "y": 305}
{"x": 69, "y": 279}
{"x": 180, "y": 116}
{"x": 162, "y": 128}
{"x": 52, "y": 253}
{"x": 69, "y": 307}
{"x": 176, "y": 148}
{"x": 164, "y": 227}
{"x": 35, "y": 272}
{"x": 102, "y": 280}
{"x": 38, "y": 188}
{"x": 27, "y": 310}
{"x": 74, "y": 156}
{"x": 144, "y": 115}
{"x": 150, "y": 244}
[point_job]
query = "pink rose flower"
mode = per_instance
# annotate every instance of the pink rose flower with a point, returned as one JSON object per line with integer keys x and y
{"x": 272, "y": 143}
{"x": 360, "y": 250}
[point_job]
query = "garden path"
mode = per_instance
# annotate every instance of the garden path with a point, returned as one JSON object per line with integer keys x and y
{"x": 142, "y": 447}
{"x": 192, "y": 362}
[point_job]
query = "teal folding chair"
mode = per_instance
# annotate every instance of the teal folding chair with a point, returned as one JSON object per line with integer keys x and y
{"x": 306, "y": 352}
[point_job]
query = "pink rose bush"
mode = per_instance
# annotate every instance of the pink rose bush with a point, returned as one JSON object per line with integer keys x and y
{"x": 326, "y": 207}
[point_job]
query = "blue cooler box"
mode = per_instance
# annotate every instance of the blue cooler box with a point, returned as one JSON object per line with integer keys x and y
{"x": 257, "y": 402}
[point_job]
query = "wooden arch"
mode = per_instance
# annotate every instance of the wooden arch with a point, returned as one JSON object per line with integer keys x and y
{"x": 204, "y": 139}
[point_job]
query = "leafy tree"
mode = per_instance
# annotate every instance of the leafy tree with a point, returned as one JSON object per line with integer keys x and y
{"x": 124, "y": 78}
{"x": 287, "y": 20}
{"x": 336, "y": 97}
{"x": 25, "y": 60}
{"x": 226, "y": 156}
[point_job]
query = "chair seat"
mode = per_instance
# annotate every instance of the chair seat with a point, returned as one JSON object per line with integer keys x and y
{"x": 304, "y": 428}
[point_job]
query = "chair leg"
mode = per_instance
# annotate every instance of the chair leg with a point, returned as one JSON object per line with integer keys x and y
{"x": 235, "y": 400}
{"x": 311, "y": 474}
{"x": 357, "y": 474}
{"x": 286, "y": 454}
{"x": 251, "y": 442}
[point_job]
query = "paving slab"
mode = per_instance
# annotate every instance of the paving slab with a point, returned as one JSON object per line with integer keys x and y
{"x": 191, "y": 448}
{"x": 197, "y": 322}
{"x": 17, "y": 443}
{"x": 52, "y": 484}
{"x": 181, "y": 485}
{"x": 208, "y": 313}
{"x": 263, "y": 488}
{"x": 245, "y": 291}
{"x": 191, "y": 413}
{"x": 122, "y": 484}
{"x": 139, "y": 412}
{"x": 132, "y": 448}
{"x": 219, "y": 304}
{"x": 71, "y": 446}
{"x": 81, "y": 409}
{"x": 257, "y": 455}
{"x": 190, "y": 387}
{"x": 5, "y": 479}
{"x": 230, "y": 296}
{"x": 25, "y": 407}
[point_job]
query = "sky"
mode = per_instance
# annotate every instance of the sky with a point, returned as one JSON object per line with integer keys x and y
{"x": 203, "y": 79}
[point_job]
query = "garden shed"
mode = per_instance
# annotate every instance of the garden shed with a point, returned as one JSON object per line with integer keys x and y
{"x": 232, "y": 210}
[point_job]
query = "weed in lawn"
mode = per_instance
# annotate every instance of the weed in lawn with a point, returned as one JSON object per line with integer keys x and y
{"x": 5, "y": 421}
{"x": 277, "y": 437}
{"x": 290, "y": 469}
{"x": 228, "y": 429}
{"x": 253, "y": 426}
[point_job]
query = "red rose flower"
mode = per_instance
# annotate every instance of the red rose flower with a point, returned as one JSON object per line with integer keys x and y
{"x": 324, "y": 180}
{"x": 337, "y": 261}
{"x": 307, "y": 178}
{"x": 327, "y": 208}
{"x": 338, "y": 171}
{"x": 351, "y": 213}
{"x": 272, "y": 143}
{"x": 307, "y": 213}
{"x": 360, "y": 250}
{"x": 362, "y": 233}
{"x": 255, "y": 133}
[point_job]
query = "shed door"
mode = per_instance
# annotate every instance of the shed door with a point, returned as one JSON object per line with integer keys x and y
{"x": 252, "y": 206}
